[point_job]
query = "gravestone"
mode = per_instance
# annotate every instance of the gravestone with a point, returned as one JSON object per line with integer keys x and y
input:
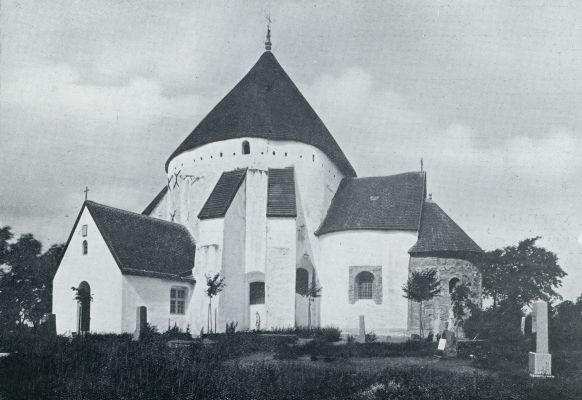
{"x": 540, "y": 361}
{"x": 362, "y": 333}
{"x": 450, "y": 350}
{"x": 141, "y": 320}
{"x": 523, "y": 325}
{"x": 442, "y": 344}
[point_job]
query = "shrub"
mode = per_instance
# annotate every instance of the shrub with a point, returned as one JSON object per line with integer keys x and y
{"x": 231, "y": 327}
{"x": 370, "y": 337}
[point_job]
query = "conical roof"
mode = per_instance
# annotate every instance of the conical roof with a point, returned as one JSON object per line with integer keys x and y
{"x": 439, "y": 233}
{"x": 266, "y": 104}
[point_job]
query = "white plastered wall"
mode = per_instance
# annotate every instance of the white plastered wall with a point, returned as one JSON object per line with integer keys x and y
{"x": 208, "y": 261}
{"x": 280, "y": 273}
{"x": 232, "y": 304}
{"x": 100, "y": 270}
{"x": 155, "y": 295}
{"x": 339, "y": 251}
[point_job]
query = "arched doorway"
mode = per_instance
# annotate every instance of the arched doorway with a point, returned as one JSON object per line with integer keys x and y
{"x": 83, "y": 298}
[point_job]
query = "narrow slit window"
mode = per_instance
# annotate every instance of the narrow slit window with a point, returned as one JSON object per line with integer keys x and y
{"x": 85, "y": 247}
{"x": 246, "y": 147}
{"x": 453, "y": 284}
{"x": 84, "y": 230}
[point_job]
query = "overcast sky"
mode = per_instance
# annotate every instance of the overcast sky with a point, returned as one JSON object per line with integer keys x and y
{"x": 99, "y": 93}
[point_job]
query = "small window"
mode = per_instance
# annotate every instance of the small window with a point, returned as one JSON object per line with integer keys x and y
{"x": 301, "y": 281}
{"x": 452, "y": 284}
{"x": 85, "y": 247}
{"x": 246, "y": 147}
{"x": 364, "y": 285}
{"x": 257, "y": 293}
{"x": 84, "y": 230}
{"x": 178, "y": 300}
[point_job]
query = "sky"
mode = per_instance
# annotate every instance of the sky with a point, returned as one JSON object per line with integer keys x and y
{"x": 99, "y": 93}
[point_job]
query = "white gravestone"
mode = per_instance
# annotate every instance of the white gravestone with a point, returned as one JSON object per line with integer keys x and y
{"x": 540, "y": 362}
{"x": 141, "y": 320}
{"x": 442, "y": 344}
{"x": 362, "y": 333}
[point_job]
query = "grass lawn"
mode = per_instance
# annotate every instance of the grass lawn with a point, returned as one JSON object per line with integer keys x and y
{"x": 245, "y": 367}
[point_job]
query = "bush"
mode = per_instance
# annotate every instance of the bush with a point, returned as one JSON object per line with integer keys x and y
{"x": 370, "y": 337}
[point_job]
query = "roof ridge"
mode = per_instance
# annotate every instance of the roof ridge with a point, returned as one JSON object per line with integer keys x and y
{"x": 132, "y": 213}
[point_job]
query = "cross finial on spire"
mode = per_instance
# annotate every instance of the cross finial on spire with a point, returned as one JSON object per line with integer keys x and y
{"x": 86, "y": 192}
{"x": 268, "y": 40}
{"x": 421, "y": 164}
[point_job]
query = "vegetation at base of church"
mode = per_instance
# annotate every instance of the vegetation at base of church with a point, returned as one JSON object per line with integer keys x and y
{"x": 325, "y": 334}
{"x": 230, "y": 327}
{"x": 26, "y": 275}
{"x": 422, "y": 286}
{"x": 214, "y": 285}
{"x": 115, "y": 367}
{"x": 521, "y": 274}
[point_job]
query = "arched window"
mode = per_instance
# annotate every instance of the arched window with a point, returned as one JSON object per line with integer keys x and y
{"x": 257, "y": 293}
{"x": 364, "y": 285}
{"x": 452, "y": 284}
{"x": 301, "y": 281}
{"x": 246, "y": 147}
{"x": 85, "y": 247}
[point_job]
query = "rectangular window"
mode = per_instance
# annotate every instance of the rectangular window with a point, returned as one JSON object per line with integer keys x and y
{"x": 84, "y": 230}
{"x": 178, "y": 300}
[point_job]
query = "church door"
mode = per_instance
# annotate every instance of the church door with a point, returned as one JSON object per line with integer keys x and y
{"x": 83, "y": 308}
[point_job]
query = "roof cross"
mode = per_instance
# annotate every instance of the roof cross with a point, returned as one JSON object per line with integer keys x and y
{"x": 86, "y": 192}
{"x": 268, "y": 43}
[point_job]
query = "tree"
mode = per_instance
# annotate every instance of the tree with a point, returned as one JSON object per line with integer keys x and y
{"x": 214, "y": 285}
{"x": 25, "y": 279}
{"x": 462, "y": 303}
{"x": 313, "y": 291}
{"x": 422, "y": 286}
{"x": 565, "y": 325}
{"x": 521, "y": 274}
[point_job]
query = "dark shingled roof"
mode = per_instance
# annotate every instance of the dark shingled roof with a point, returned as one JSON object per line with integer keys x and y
{"x": 377, "y": 203}
{"x": 266, "y": 104}
{"x": 143, "y": 245}
{"x": 154, "y": 203}
{"x": 439, "y": 233}
{"x": 222, "y": 195}
{"x": 281, "y": 193}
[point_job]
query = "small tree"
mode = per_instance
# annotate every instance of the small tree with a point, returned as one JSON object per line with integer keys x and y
{"x": 313, "y": 291}
{"x": 214, "y": 285}
{"x": 421, "y": 286}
